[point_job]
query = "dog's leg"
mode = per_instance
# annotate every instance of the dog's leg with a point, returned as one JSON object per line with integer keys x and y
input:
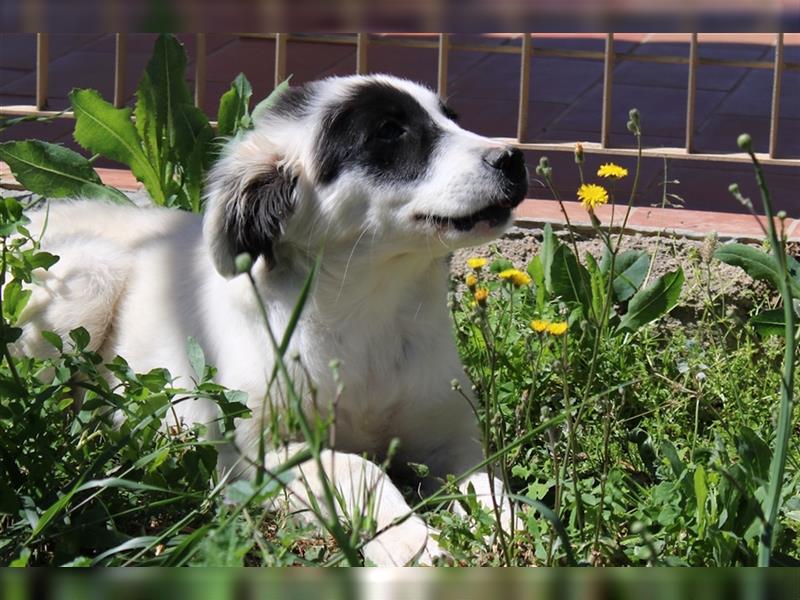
{"x": 360, "y": 486}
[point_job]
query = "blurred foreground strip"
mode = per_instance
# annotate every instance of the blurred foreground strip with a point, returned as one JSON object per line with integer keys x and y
{"x": 403, "y": 584}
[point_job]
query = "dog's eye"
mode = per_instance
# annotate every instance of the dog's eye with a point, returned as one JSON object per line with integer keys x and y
{"x": 390, "y": 131}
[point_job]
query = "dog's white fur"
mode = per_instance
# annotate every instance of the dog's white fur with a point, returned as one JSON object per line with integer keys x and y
{"x": 141, "y": 280}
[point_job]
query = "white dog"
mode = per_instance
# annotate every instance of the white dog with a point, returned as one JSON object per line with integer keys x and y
{"x": 375, "y": 172}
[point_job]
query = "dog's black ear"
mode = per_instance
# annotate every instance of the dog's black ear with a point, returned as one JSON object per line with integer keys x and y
{"x": 247, "y": 215}
{"x": 258, "y": 221}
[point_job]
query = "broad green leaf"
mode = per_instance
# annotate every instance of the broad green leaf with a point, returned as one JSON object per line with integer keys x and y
{"x": 549, "y": 245}
{"x": 166, "y": 70}
{"x": 147, "y": 126}
{"x": 234, "y": 106}
{"x": 598, "y": 285}
{"x": 192, "y": 130}
{"x": 759, "y": 265}
{"x": 669, "y": 452}
{"x": 570, "y": 279}
{"x": 22, "y": 559}
{"x": 500, "y": 264}
{"x": 755, "y": 453}
{"x": 655, "y": 300}
{"x": 195, "y": 168}
{"x": 197, "y": 358}
{"x": 106, "y": 130}
{"x": 80, "y": 336}
{"x": 701, "y": 494}
{"x": 14, "y": 300}
{"x": 769, "y": 322}
{"x": 54, "y": 340}
{"x": 630, "y": 268}
{"x": 54, "y": 171}
{"x": 42, "y": 260}
{"x": 270, "y": 100}
{"x": 536, "y": 271}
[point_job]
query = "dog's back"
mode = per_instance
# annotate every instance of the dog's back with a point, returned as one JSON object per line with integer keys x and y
{"x": 97, "y": 244}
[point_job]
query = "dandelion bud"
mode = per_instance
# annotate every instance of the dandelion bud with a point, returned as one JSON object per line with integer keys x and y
{"x": 745, "y": 142}
{"x": 579, "y": 153}
{"x": 243, "y": 263}
{"x": 543, "y": 169}
{"x": 471, "y": 281}
{"x": 734, "y": 189}
{"x": 634, "y": 121}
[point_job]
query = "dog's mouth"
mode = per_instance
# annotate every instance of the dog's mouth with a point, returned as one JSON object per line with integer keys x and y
{"x": 492, "y": 215}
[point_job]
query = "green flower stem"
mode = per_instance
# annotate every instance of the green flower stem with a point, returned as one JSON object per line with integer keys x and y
{"x": 778, "y": 464}
{"x": 549, "y": 182}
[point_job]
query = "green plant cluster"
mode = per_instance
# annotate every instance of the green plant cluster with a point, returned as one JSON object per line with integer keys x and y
{"x": 165, "y": 140}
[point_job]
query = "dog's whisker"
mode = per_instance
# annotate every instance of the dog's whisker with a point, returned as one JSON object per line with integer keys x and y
{"x": 347, "y": 264}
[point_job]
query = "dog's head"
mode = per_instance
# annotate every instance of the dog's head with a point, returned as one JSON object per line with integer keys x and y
{"x": 369, "y": 160}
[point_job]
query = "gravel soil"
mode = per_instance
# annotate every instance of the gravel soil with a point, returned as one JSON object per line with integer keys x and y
{"x": 707, "y": 279}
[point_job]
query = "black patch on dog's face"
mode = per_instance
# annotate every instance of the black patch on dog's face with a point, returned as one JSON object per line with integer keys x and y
{"x": 259, "y": 221}
{"x": 380, "y": 129}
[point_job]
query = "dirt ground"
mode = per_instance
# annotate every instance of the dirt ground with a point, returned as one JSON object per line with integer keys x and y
{"x": 707, "y": 279}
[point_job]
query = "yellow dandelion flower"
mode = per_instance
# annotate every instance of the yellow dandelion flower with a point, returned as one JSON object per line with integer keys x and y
{"x": 591, "y": 195}
{"x": 471, "y": 281}
{"x": 559, "y": 328}
{"x": 515, "y": 276}
{"x": 539, "y": 325}
{"x": 476, "y": 263}
{"x": 481, "y": 295}
{"x": 612, "y": 170}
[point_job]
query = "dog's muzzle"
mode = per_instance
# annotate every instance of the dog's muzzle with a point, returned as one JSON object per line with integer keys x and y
{"x": 509, "y": 164}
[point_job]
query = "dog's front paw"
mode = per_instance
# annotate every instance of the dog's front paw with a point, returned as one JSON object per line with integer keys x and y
{"x": 408, "y": 543}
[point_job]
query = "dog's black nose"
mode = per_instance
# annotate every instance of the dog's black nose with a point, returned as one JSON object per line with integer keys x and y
{"x": 510, "y": 162}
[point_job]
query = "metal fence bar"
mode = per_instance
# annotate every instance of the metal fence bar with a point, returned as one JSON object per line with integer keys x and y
{"x": 524, "y": 87}
{"x": 280, "y": 57}
{"x": 691, "y": 93}
{"x": 120, "y": 44}
{"x": 362, "y": 43}
{"x": 652, "y": 152}
{"x": 200, "y": 70}
{"x": 535, "y": 52}
{"x": 42, "y": 60}
{"x": 608, "y": 70}
{"x": 776, "y": 96}
{"x": 444, "y": 57}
